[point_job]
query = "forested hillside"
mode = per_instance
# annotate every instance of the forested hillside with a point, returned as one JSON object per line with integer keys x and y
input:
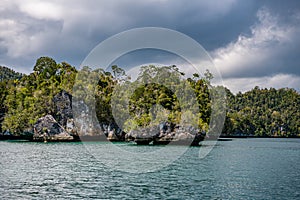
{"x": 259, "y": 112}
{"x": 8, "y": 77}
{"x": 29, "y": 98}
{"x": 264, "y": 112}
{"x": 8, "y": 74}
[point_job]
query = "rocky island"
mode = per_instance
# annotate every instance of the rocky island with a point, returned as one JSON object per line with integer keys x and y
{"x": 41, "y": 107}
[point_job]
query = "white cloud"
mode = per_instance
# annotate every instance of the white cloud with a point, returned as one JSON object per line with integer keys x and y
{"x": 267, "y": 57}
{"x": 276, "y": 81}
{"x": 69, "y": 29}
{"x": 20, "y": 38}
{"x": 268, "y": 42}
{"x": 41, "y": 9}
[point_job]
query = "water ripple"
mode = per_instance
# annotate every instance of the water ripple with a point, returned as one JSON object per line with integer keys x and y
{"x": 238, "y": 169}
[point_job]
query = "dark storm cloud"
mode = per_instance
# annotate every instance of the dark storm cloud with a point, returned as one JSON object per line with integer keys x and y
{"x": 223, "y": 29}
{"x": 247, "y": 39}
{"x": 86, "y": 23}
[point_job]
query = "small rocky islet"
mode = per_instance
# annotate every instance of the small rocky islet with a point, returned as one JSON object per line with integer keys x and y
{"x": 63, "y": 128}
{"x": 47, "y": 129}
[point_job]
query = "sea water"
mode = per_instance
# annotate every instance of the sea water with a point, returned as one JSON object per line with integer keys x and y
{"x": 239, "y": 169}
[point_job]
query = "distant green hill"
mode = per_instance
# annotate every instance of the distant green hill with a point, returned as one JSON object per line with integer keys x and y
{"x": 263, "y": 112}
{"x": 9, "y": 74}
{"x": 7, "y": 77}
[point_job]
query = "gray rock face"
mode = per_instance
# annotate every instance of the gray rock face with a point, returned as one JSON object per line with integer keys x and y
{"x": 79, "y": 119}
{"x": 48, "y": 129}
{"x": 142, "y": 134}
{"x": 112, "y": 136}
{"x": 166, "y": 133}
{"x": 179, "y": 134}
{"x": 112, "y": 132}
{"x": 70, "y": 127}
{"x": 63, "y": 112}
{"x": 63, "y": 107}
{"x": 85, "y": 121}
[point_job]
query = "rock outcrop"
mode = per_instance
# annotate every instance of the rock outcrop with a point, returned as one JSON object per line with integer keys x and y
{"x": 48, "y": 129}
{"x": 166, "y": 133}
{"x": 63, "y": 108}
{"x": 113, "y": 132}
{"x": 82, "y": 124}
{"x": 143, "y": 136}
{"x": 179, "y": 134}
{"x": 85, "y": 120}
{"x": 87, "y": 126}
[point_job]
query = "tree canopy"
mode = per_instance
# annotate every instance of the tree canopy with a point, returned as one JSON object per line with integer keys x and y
{"x": 158, "y": 94}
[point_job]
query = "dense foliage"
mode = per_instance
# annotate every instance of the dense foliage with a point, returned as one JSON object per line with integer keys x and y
{"x": 31, "y": 97}
{"x": 8, "y": 78}
{"x": 8, "y": 74}
{"x": 162, "y": 94}
{"x": 263, "y": 112}
{"x": 167, "y": 97}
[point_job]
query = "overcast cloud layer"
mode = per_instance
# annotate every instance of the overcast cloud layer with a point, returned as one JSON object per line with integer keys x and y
{"x": 251, "y": 42}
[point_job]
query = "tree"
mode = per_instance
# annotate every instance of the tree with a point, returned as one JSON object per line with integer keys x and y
{"x": 45, "y": 67}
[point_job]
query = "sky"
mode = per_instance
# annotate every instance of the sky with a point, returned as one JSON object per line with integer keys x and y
{"x": 251, "y": 43}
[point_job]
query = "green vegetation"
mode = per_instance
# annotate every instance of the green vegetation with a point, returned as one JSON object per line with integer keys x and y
{"x": 162, "y": 94}
{"x": 8, "y": 79}
{"x": 30, "y": 97}
{"x": 8, "y": 74}
{"x": 264, "y": 112}
{"x": 167, "y": 97}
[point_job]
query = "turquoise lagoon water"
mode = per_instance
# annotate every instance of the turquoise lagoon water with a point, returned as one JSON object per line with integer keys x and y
{"x": 237, "y": 169}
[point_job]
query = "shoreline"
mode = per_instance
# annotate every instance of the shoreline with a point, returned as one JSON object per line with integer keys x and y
{"x": 104, "y": 139}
